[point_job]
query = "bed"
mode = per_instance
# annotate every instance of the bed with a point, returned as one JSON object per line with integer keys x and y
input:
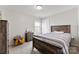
{"x": 56, "y": 42}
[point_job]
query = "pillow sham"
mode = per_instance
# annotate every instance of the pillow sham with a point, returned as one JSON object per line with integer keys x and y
{"x": 58, "y": 31}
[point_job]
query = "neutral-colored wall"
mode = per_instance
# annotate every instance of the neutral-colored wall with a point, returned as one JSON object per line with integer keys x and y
{"x": 18, "y": 23}
{"x": 67, "y": 18}
{"x": 78, "y": 21}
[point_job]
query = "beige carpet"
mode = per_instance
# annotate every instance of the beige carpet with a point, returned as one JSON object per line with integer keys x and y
{"x": 26, "y": 48}
{"x": 74, "y": 48}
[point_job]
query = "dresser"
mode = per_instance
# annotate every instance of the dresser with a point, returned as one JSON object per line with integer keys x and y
{"x": 28, "y": 36}
{"x": 3, "y": 36}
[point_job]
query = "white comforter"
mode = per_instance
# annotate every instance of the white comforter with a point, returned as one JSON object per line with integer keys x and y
{"x": 58, "y": 39}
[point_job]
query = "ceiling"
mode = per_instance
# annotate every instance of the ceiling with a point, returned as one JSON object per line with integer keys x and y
{"x": 46, "y": 11}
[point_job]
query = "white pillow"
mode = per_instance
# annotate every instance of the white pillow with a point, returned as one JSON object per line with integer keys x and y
{"x": 58, "y": 32}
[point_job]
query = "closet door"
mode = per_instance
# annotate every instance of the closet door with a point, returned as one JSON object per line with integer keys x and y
{"x": 3, "y": 36}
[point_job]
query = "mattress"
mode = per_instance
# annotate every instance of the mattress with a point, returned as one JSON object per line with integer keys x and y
{"x": 58, "y": 39}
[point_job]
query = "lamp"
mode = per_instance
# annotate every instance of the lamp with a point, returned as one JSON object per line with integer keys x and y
{"x": 38, "y": 7}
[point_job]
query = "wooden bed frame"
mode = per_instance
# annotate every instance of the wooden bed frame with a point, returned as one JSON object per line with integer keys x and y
{"x": 47, "y": 48}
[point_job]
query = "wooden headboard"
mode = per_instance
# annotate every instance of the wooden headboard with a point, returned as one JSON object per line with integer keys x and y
{"x": 64, "y": 28}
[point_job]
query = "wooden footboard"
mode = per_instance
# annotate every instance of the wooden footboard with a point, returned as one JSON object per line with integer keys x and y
{"x": 45, "y": 47}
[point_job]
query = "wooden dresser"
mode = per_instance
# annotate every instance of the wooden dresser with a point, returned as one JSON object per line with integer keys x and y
{"x": 28, "y": 36}
{"x": 3, "y": 36}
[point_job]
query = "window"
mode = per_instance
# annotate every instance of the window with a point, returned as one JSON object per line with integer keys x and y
{"x": 45, "y": 26}
{"x": 37, "y": 27}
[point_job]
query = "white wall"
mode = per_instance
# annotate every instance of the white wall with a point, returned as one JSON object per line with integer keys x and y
{"x": 18, "y": 23}
{"x": 66, "y": 18}
{"x": 78, "y": 21}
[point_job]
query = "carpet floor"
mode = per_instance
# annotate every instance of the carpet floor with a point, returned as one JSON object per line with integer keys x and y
{"x": 26, "y": 48}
